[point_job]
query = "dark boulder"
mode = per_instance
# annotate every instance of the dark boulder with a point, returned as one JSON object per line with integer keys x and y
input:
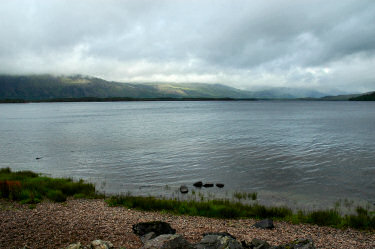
{"x": 256, "y": 243}
{"x": 168, "y": 241}
{"x": 198, "y": 184}
{"x": 298, "y": 244}
{"x": 158, "y": 227}
{"x": 208, "y": 185}
{"x": 264, "y": 224}
{"x": 184, "y": 189}
{"x": 220, "y": 234}
{"x": 147, "y": 236}
{"x": 218, "y": 241}
{"x": 220, "y": 185}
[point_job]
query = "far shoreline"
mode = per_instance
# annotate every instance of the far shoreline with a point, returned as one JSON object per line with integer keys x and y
{"x": 129, "y": 99}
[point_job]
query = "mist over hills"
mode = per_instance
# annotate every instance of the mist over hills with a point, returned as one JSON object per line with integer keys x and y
{"x": 46, "y": 87}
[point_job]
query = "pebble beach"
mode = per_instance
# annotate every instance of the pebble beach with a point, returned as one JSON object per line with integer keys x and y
{"x": 56, "y": 225}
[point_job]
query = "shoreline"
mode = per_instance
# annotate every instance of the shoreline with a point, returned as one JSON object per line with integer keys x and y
{"x": 55, "y": 225}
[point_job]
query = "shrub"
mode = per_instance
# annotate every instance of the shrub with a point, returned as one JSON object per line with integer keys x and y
{"x": 324, "y": 217}
{"x": 362, "y": 220}
{"x": 10, "y": 189}
{"x": 56, "y": 195}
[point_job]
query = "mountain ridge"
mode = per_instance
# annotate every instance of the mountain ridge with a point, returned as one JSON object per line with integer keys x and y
{"x": 44, "y": 87}
{"x": 39, "y": 87}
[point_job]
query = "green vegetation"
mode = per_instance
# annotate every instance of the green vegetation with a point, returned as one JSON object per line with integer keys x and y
{"x": 365, "y": 97}
{"x": 339, "y": 97}
{"x": 29, "y": 187}
{"x": 244, "y": 195}
{"x": 207, "y": 208}
{"x": 222, "y": 208}
{"x": 362, "y": 219}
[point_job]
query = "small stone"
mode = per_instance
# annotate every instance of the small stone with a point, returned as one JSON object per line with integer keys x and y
{"x": 264, "y": 224}
{"x": 74, "y": 246}
{"x": 184, "y": 189}
{"x": 208, "y": 185}
{"x": 220, "y": 185}
{"x": 101, "y": 244}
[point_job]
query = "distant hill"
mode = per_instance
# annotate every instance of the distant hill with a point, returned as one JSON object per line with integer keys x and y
{"x": 65, "y": 88}
{"x": 287, "y": 93}
{"x": 364, "y": 97}
{"x": 340, "y": 97}
{"x": 44, "y": 87}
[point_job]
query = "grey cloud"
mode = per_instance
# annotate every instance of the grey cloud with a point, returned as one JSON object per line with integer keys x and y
{"x": 242, "y": 43}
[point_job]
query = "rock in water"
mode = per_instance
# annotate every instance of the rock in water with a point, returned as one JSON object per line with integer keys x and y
{"x": 184, "y": 189}
{"x": 158, "y": 227}
{"x": 168, "y": 241}
{"x": 101, "y": 244}
{"x": 208, "y": 185}
{"x": 198, "y": 184}
{"x": 219, "y": 185}
{"x": 264, "y": 224}
{"x": 218, "y": 241}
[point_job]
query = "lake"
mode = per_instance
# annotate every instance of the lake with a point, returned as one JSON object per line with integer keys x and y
{"x": 296, "y": 153}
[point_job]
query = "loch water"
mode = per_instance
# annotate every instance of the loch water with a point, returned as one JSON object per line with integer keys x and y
{"x": 298, "y": 153}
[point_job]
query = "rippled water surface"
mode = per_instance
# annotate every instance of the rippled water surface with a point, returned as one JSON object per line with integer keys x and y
{"x": 289, "y": 152}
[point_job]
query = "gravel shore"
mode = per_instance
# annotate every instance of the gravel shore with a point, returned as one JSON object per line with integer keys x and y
{"x": 54, "y": 225}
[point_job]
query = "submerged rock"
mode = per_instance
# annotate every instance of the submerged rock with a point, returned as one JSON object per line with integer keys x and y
{"x": 220, "y": 185}
{"x": 198, "y": 184}
{"x": 264, "y": 224}
{"x": 208, "y": 185}
{"x": 158, "y": 227}
{"x": 184, "y": 189}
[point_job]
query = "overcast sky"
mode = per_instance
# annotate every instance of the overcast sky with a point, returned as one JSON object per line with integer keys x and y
{"x": 326, "y": 45}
